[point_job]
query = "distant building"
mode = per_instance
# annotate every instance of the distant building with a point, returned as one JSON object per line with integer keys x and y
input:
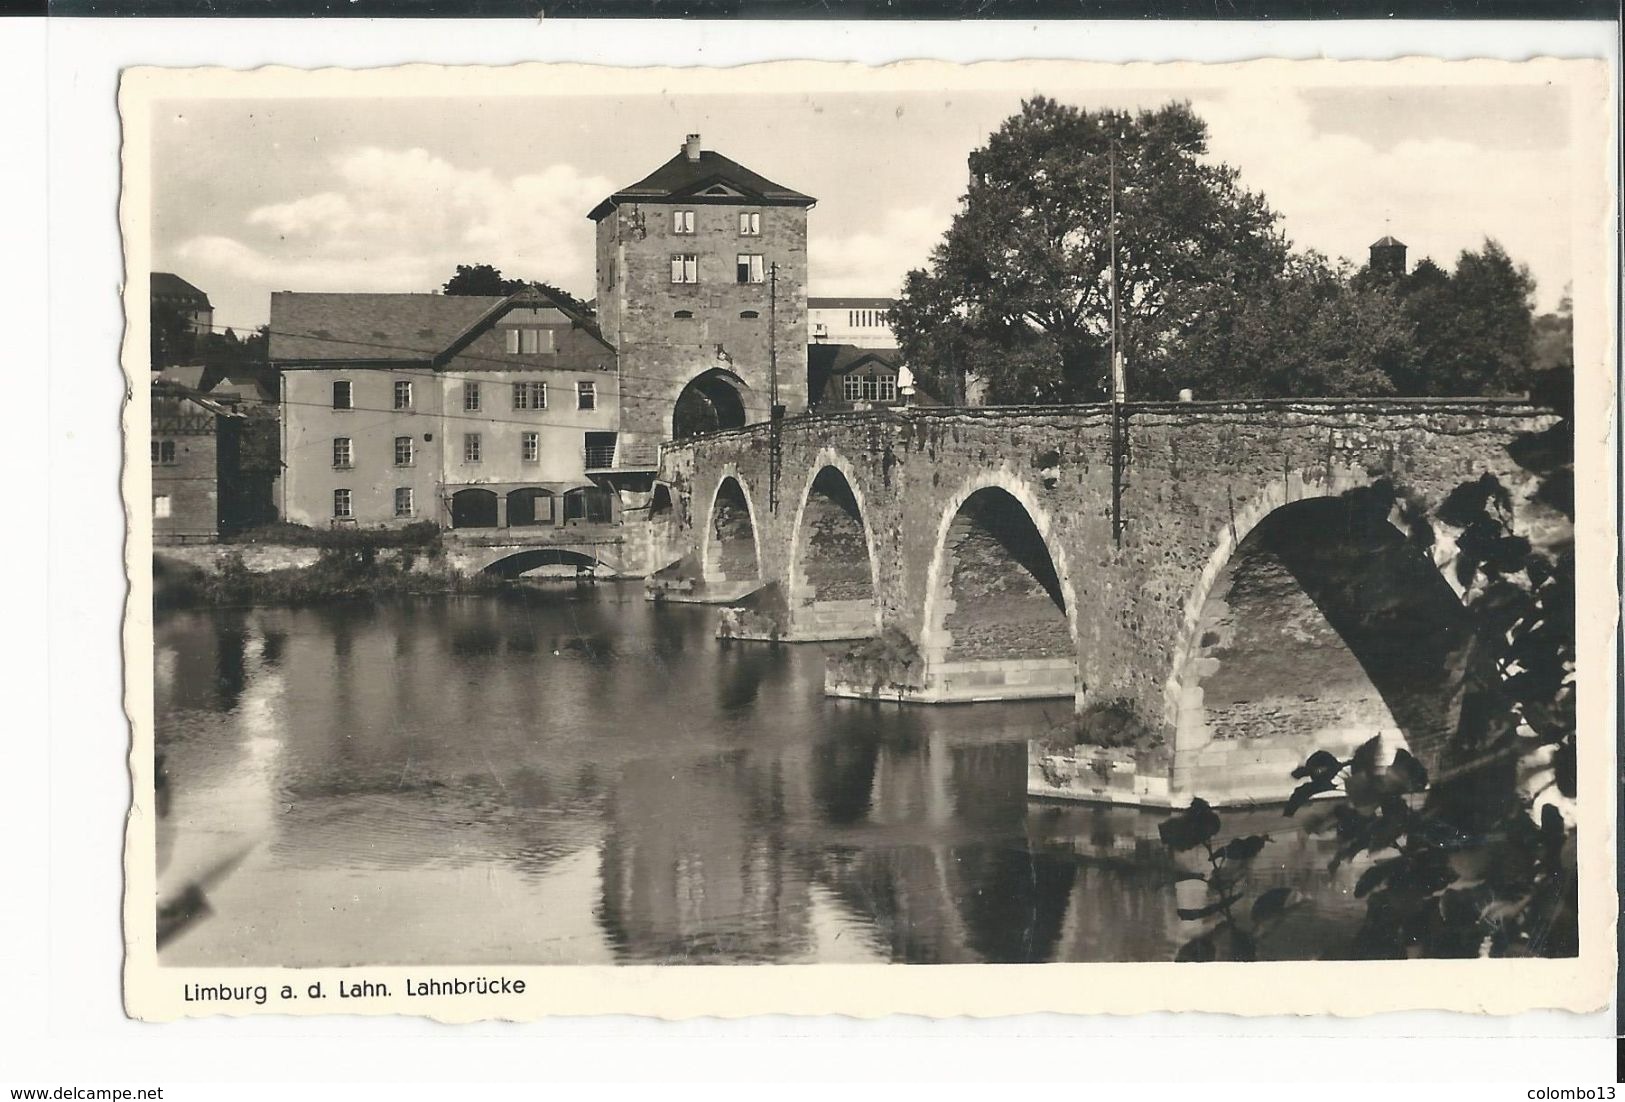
{"x": 864, "y": 322}
{"x": 214, "y": 464}
{"x": 846, "y": 377}
{"x": 702, "y": 277}
{"x": 1388, "y": 256}
{"x": 171, "y": 292}
{"x": 468, "y": 411}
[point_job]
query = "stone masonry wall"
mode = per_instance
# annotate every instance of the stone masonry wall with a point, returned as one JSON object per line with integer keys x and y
{"x": 1198, "y": 478}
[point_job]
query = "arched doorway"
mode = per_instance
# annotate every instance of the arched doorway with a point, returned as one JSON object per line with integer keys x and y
{"x": 712, "y": 401}
{"x": 1324, "y": 628}
{"x": 474, "y": 508}
{"x": 997, "y": 624}
{"x": 530, "y": 506}
{"x": 832, "y": 593}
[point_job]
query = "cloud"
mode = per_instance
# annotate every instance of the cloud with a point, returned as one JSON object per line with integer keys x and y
{"x": 1439, "y": 195}
{"x": 873, "y": 262}
{"x": 401, "y": 220}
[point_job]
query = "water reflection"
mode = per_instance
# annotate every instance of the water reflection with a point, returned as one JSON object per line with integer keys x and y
{"x": 578, "y": 776}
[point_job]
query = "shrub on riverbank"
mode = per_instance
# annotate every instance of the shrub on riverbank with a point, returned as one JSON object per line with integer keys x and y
{"x": 423, "y": 535}
{"x": 340, "y": 574}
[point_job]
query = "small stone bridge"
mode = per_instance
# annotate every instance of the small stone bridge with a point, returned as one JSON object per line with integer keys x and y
{"x": 511, "y": 552}
{"x": 1254, "y": 594}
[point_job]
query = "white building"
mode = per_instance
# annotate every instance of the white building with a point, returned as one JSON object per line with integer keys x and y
{"x": 863, "y": 322}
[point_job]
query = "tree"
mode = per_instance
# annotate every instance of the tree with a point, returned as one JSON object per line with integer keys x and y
{"x": 1318, "y": 331}
{"x": 1553, "y": 368}
{"x": 484, "y": 279}
{"x": 1474, "y": 330}
{"x": 171, "y": 339}
{"x": 1025, "y": 267}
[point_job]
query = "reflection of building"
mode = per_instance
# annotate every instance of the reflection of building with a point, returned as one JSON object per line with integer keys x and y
{"x": 702, "y": 276}
{"x": 468, "y": 411}
{"x": 214, "y": 464}
{"x": 864, "y": 322}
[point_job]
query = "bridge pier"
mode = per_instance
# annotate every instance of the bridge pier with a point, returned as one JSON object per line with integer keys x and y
{"x": 970, "y": 555}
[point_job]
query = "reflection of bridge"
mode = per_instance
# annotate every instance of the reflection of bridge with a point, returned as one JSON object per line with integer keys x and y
{"x": 594, "y": 548}
{"x": 1264, "y": 598}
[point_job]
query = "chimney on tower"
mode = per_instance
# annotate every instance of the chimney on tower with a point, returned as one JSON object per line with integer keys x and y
{"x": 691, "y": 147}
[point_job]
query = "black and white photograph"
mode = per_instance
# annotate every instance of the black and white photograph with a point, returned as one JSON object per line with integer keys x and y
{"x": 702, "y": 521}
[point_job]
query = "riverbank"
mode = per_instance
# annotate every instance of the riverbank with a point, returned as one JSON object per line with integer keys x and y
{"x": 220, "y": 576}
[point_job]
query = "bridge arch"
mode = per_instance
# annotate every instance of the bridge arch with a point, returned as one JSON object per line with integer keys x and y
{"x": 1000, "y": 618}
{"x": 833, "y": 593}
{"x": 731, "y": 541}
{"x": 534, "y": 558}
{"x": 1315, "y": 624}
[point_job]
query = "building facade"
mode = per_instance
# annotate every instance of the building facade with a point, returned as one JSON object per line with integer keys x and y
{"x": 214, "y": 465}
{"x": 702, "y": 276}
{"x": 464, "y": 411}
{"x": 861, "y": 322}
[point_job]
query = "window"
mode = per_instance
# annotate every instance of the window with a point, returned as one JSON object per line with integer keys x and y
{"x": 530, "y": 447}
{"x": 852, "y": 388}
{"x": 403, "y": 394}
{"x": 342, "y": 395}
{"x": 160, "y": 507}
{"x": 751, "y": 269}
{"x": 403, "y": 501}
{"x": 471, "y": 397}
{"x": 685, "y": 268}
{"x": 530, "y": 396}
{"x": 471, "y": 447}
{"x": 682, "y": 221}
{"x": 682, "y": 315}
{"x": 750, "y": 223}
{"x": 529, "y": 342}
{"x": 342, "y": 456}
{"x": 749, "y": 315}
{"x": 403, "y": 451}
{"x": 163, "y": 451}
{"x": 586, "y": 395}
{"x": 880, "y": 388}
{"x": 341, "y": 504}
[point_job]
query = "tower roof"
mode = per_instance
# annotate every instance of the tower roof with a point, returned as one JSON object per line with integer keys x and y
{"x": 1387, "y": 242}
{"x": 708, "y": 177}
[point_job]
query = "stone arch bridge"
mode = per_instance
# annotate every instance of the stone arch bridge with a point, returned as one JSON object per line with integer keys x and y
{"x": 1254, "y": 594}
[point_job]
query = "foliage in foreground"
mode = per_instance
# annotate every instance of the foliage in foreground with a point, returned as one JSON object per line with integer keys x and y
{"x": 1480, "y": 859}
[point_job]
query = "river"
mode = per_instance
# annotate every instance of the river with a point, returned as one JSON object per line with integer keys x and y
{"x": 571, "y": 774}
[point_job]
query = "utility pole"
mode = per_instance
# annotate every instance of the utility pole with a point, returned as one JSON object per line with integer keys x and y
{"x": 1119, "y": 376}
{"x": 775, "y": 412}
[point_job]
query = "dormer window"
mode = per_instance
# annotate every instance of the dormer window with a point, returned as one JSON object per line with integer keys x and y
{"x": 529, "y": 341}
{"x": 682, "y": 221}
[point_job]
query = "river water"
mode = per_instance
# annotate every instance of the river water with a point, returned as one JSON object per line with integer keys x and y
{"x": 571, "y": 774}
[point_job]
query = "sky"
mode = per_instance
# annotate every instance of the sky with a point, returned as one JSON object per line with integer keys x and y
{"x": 390, "y": 194}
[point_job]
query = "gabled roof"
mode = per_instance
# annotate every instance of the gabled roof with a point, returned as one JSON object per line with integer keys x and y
{"x": 169, "y": 388}
{"x": 525, "y": 296}
{"x": 392, "y": 328}
{"x": 169, "y": 287}
{"x": 681, "y": 178}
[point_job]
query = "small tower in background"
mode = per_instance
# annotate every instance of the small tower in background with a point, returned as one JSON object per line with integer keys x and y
{"x": 1388, "y": 257}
